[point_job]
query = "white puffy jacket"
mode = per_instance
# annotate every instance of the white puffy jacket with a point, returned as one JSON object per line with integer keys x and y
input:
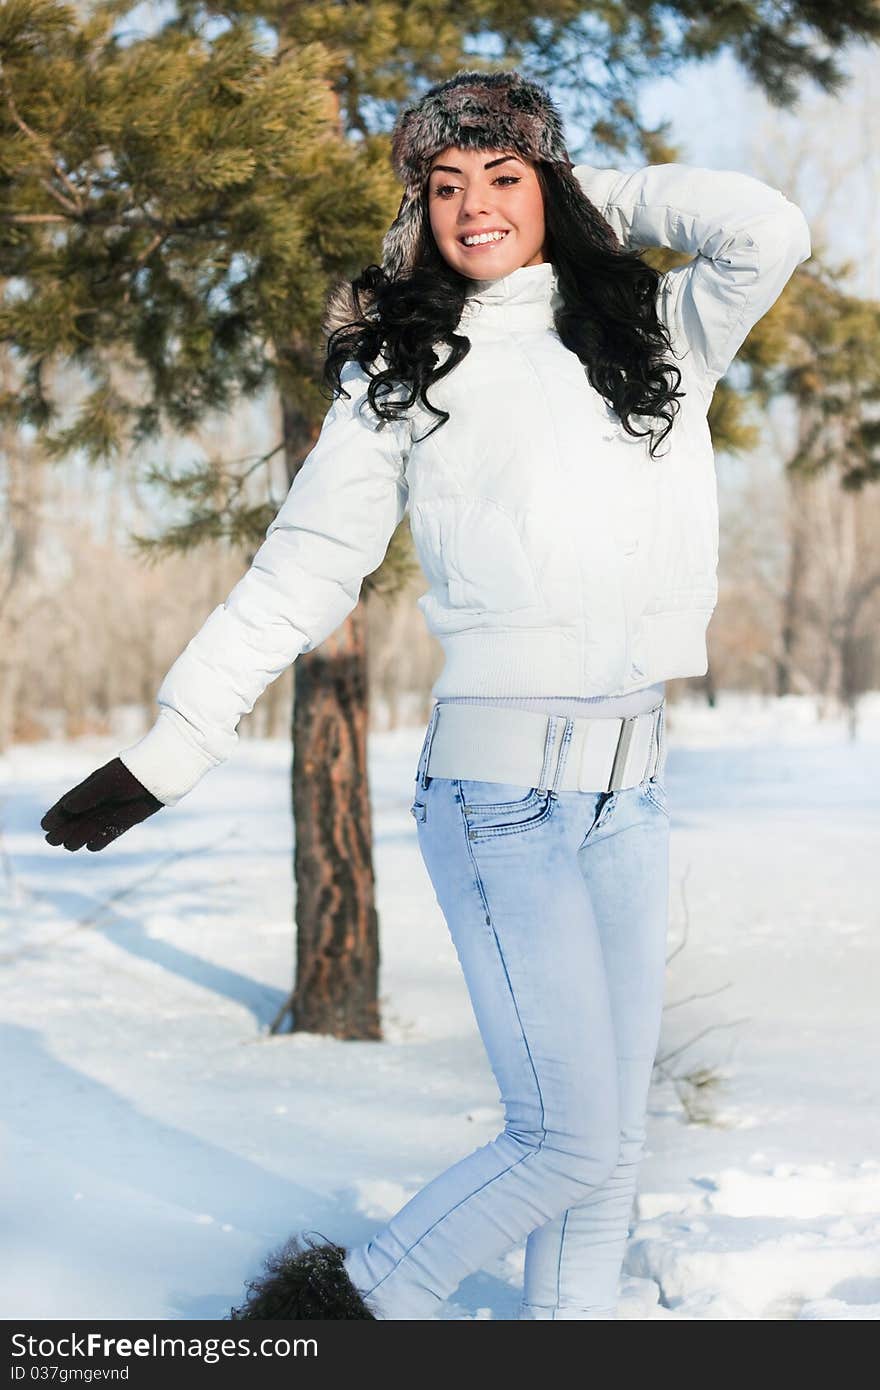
{"x": 562, "y": 559}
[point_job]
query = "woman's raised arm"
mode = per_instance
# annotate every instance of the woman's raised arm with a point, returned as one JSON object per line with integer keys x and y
{"x": 746, "y": 239}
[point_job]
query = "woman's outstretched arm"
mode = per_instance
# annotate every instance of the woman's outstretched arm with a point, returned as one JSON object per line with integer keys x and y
{"x": 332, "y": 530}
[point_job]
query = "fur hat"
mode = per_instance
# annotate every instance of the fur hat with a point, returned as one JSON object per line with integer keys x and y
{"x": 473, "y": 110}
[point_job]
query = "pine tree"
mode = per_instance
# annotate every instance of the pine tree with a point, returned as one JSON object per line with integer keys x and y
{"x": 173, "y": 210}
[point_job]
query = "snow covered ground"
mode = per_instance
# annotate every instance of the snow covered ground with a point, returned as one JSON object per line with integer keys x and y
{"x": 157, "y": 1142}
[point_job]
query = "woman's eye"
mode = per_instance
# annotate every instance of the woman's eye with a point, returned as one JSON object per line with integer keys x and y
{"x": 443, "y": 188}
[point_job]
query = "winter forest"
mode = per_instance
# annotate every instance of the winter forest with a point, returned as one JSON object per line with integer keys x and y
{"x": 242, "y": 1018}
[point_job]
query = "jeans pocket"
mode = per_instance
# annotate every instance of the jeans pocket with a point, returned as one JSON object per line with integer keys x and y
{"x": 419, "y": 810}
{"x": 502, "y": 808}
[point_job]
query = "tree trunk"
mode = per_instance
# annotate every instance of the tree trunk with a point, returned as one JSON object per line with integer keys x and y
{"x": 791, "y": 598}
{"x": 337, "y": 939}
{"x": 337, "y": 936}
{"x": 22, "y": 475}
{"x": 798, "y": 489}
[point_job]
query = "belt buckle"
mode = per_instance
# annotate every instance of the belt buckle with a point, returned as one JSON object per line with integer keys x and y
{"x": 624, "y": 739}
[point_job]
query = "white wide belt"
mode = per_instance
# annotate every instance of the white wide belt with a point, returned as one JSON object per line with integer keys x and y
{"x": 506, "y": 744}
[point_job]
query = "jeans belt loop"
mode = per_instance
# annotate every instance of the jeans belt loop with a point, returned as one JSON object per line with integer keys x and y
{"x": 661, "y": 740}
{"x": 549, "y": 743}
{"x": 654, "y": 751}
{"x": 422, "y": 773}
{"x": 562, "y": 757}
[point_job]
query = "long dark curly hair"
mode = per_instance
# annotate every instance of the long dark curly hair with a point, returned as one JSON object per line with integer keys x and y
{"x": 608, "y": 318}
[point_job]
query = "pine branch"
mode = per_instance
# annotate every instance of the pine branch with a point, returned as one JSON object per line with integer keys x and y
{"x": 73, "y": 204}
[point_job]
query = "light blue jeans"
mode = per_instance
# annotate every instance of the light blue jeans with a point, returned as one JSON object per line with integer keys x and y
{"x": 557, "y": 903}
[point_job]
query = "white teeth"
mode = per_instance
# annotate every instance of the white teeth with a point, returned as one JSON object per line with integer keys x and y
{"x": 486, "y": 236}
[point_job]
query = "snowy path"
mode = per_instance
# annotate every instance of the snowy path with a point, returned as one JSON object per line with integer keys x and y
{"x": 156, "y": 1142}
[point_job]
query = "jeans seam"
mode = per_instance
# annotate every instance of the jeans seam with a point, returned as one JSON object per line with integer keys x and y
{"x": 532, "y": 1152}
{"x": 464, "y": 1199}
{"x": 559, "y": 1261}
{"x": 656, "y": 798}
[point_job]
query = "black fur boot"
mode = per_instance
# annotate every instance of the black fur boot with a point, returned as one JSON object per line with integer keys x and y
{"x": 303, "y": 1281}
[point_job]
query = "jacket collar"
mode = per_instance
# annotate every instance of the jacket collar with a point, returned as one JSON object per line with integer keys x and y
{"x": 526, "y": 298}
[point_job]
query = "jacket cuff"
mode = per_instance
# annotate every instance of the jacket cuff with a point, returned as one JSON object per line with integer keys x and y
{"x": 166, "y": 761}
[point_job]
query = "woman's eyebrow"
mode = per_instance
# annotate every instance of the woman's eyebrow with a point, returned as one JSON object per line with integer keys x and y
{"x": 451, "y": 169}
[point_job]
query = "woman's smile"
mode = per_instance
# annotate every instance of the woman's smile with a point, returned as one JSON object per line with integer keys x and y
{"x": 483, "y": 240}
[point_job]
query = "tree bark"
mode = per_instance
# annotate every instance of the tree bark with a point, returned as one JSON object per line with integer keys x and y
{"x": 799, "y": 540}
{"x": 337, "y": 936}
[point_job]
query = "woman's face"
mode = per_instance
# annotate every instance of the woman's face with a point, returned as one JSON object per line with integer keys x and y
{"x": 472, "y": 191}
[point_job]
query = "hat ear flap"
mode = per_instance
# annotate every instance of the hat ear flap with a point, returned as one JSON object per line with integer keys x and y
{"x": 401, "y": 242}
{"x": 340, "y": 308}
{"x": 399, "y": 247}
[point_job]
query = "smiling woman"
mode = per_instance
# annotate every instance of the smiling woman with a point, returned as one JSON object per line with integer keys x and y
{"x": 566, "y": 559}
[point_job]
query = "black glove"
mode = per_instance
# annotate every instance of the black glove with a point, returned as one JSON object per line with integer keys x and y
{"x": 110, "y": 801}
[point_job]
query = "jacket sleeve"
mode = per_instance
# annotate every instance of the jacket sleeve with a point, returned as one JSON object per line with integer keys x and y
{"x": 332, "y": 530}
{"x": 745, "y": 237}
